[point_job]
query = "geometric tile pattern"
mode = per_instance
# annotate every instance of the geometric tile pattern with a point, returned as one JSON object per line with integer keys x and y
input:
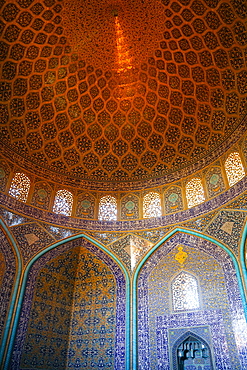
{"x": 72, "y": 120}
{"x": 195, "y": 323}
{"x": 73, "y": 289}
{"x": 227, "y": 227}
{"x": 7, "y": 276}
{"x": 12, "y": 219}
{"x": 215, "y": 182}
{"x": 173, "y": 199}
{"x": 130, "y": 249}
{"x": 105, "y": 238}
{"x": 239, "y": 203}
{"x": 41, "y": 195}
{"x": 153, "y": 232}
{"x": 200, "y": 223}
{"x": 93, "y": 319}
{"x": 121, "y": 248}
{"x": 58, "y": 232}
{"x": 4, "y": 174}
{"x": 130, "y": 207}
{"x": 31, "y": 238}
{"x": 153, "y": 236}
{"x": 157, "y": 223}
{"x": 73, "y": 314}
{"x": 221, "y": 302}
{"x": 48, "y": 327}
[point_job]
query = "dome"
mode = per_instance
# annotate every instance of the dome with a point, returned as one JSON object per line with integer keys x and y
{"x": 124, "y": 93}
{"x": 123, "y": 162}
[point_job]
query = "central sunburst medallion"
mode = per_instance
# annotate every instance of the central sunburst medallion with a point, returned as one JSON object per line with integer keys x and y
{"x": 114, "y": 35}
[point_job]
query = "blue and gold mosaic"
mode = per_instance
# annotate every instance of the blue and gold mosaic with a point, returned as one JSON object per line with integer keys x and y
{"x": 227, "y": 227}
{"x": 215, "y": 182}
{"x": 159, "y": 327}
{"x": 73, "y": 312}
{"x": 31, "y": 238}
{"x": 173, "y": 199}
{"x": 41, "y": 195}
{"x": 7, "y": 276}
{"x": 220, "y": 302}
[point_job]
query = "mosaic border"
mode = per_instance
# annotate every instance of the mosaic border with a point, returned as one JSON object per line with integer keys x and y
{"x": 135, "y": 185}
{"x": 155, "y": 222}
{"x": 193, "y": 320}
{"x": 8, "y": 279}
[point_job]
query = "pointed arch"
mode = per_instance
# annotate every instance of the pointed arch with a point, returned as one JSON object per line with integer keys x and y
{"x": 14, "y": 292}
{"x": 194, "y": 192}
{"x": 173, "y": 199}
{"x": 129, "y": 208}
{"x": 124, "y": 324}
{"x": 20, "y": 186}
{"x": 242, "y": 253}
{"x": 63, "y": 202}
{"x": 41, "y": 195}
{"x": 214, "y": 181}
{"x": 180, "y": 348}
{"x": 85, "y": 205}
{"x": 152, "y": 205}
{"x": 234, "y": 168}
{"x": 108, "y": 208}
{"x": 192, "y": 237}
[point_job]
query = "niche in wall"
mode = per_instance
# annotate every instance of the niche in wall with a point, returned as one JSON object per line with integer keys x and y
{"x": 218, "y": 313}
{"x": 73, "y": 314}
{"x": 191, "y": 352}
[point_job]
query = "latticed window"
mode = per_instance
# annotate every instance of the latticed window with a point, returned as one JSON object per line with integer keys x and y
{"x": 185, "y": 292}
{"x": 234, "y": 168}
{"x": 152, "y": 205}
{"x": 20, "y": 186}
{"x": 194, "y": 192}
{"x": 108, "y": 208}
{"x": 63, "y": 202}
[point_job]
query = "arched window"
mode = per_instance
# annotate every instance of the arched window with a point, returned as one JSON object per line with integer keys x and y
{"x": 234, "y": 168}
{"x": 194, "y": 192}
{"x": 108, "y": 208}
{"x": 185, "y": 292}
{"x": 63, "y": 202}
{"x": 152, "y": 205}
{"x": 20, "y": 186}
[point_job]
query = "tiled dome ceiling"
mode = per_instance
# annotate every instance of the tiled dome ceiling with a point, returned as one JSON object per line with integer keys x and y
{"x": 167, "y": 92}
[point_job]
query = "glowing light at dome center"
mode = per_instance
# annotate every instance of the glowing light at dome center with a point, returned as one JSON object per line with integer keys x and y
{"x": 123, "y": 58}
